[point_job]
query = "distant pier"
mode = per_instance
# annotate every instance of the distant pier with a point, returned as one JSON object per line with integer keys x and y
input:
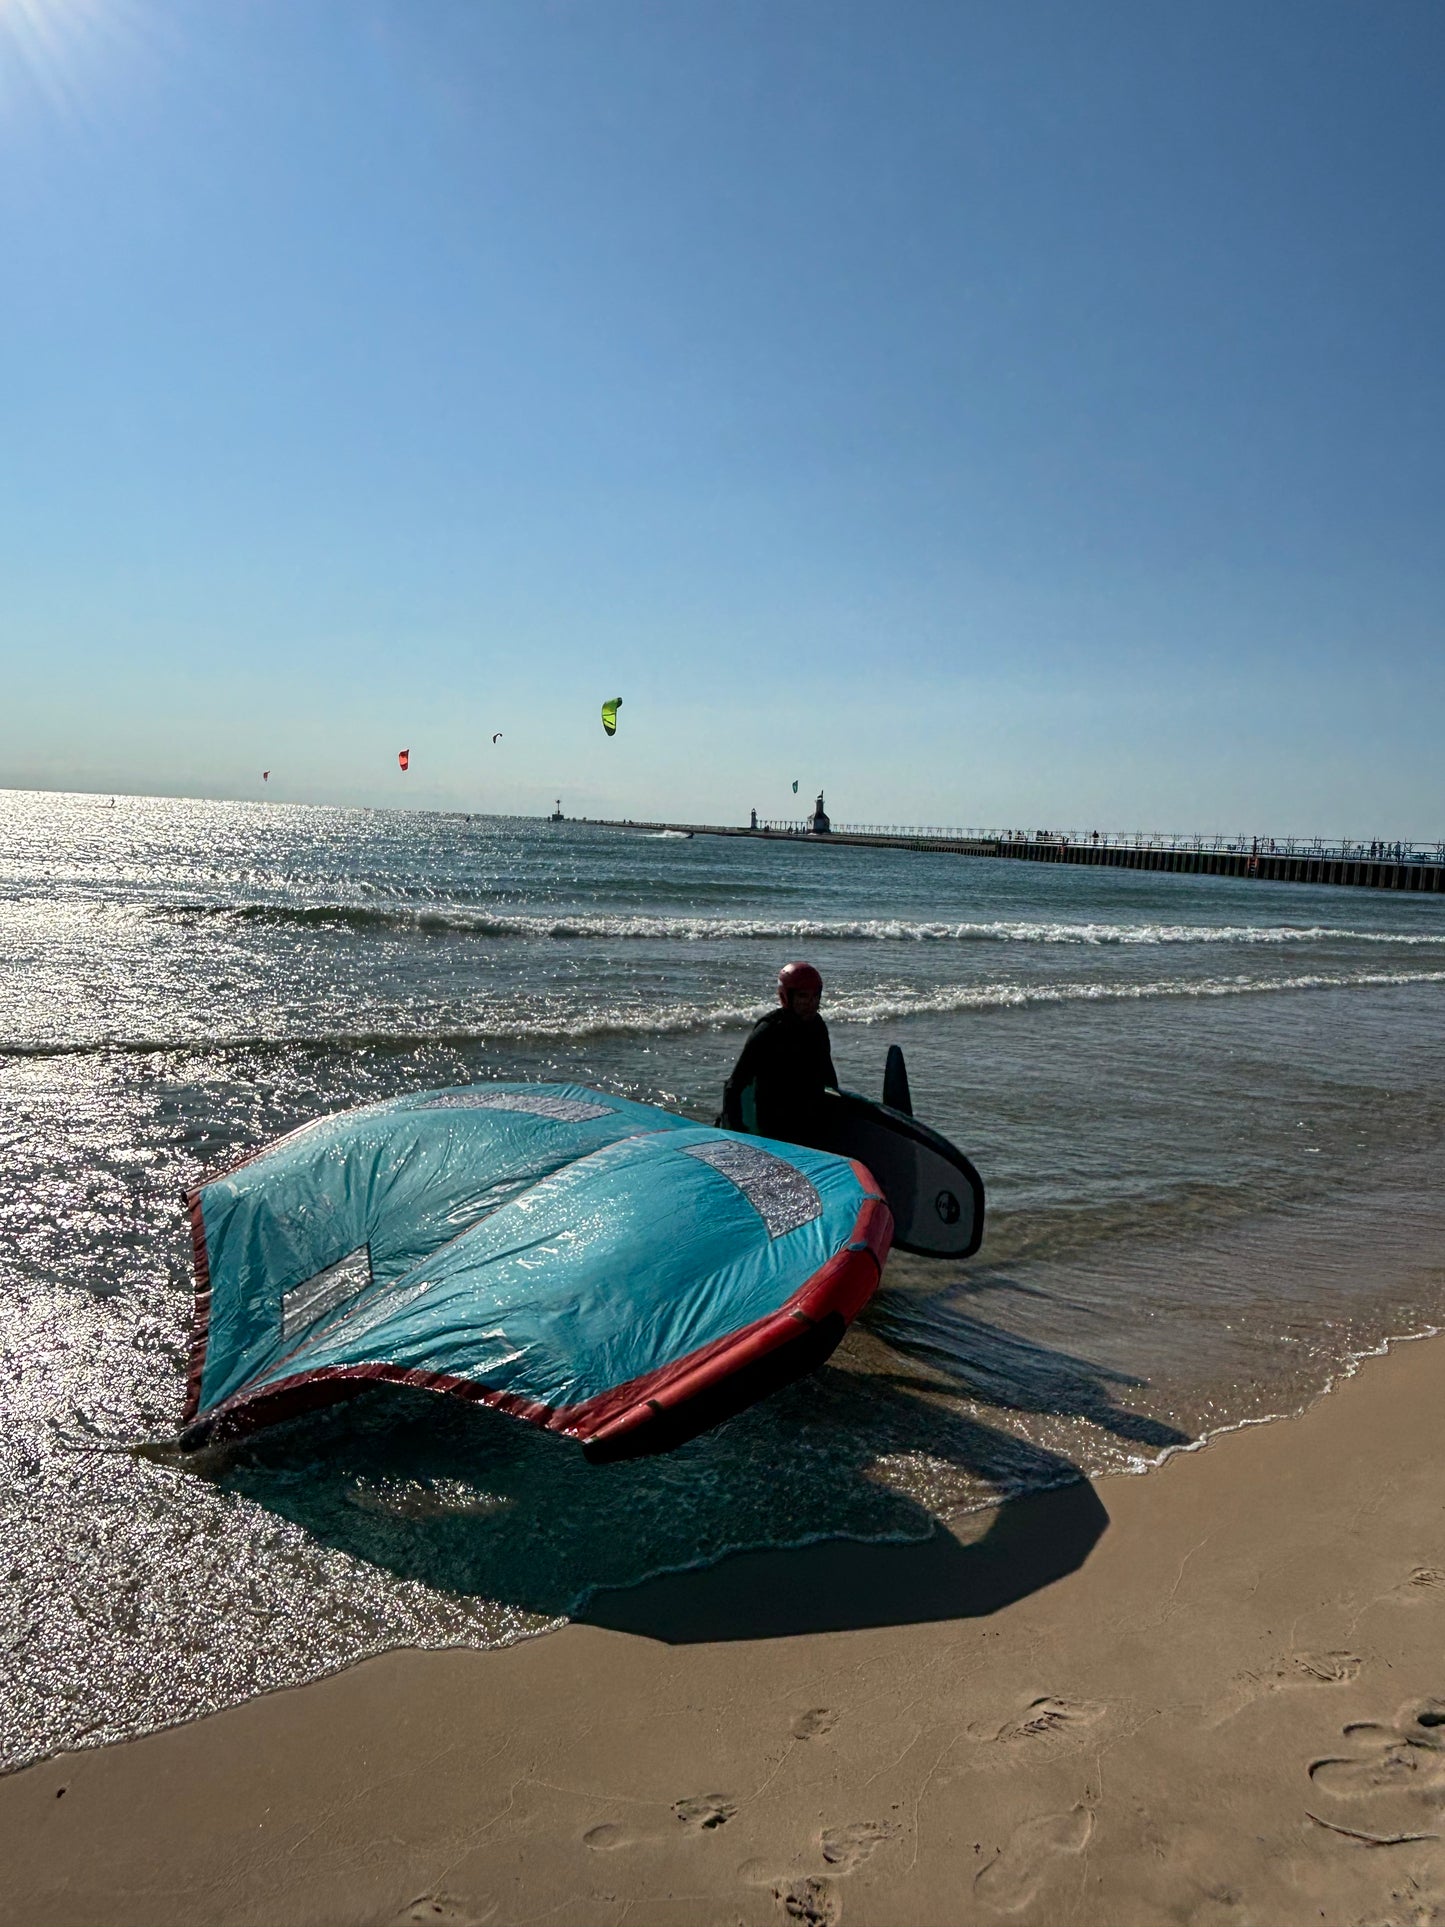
{"x": 1375, "y": 865}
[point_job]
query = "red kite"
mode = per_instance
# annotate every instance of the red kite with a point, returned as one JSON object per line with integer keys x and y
{"x": 403, "y": 757}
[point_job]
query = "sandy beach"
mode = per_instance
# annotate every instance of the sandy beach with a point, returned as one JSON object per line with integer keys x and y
{"x": 1211, "y": 1694}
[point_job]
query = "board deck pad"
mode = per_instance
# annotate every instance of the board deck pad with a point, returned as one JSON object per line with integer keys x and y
{"x": 933, "y": 1191}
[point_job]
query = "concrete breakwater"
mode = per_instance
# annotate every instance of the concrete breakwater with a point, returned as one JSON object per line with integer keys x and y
{"x": 1360, "y": 866}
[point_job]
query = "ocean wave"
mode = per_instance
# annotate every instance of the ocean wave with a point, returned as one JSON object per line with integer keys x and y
{"x": 882, "y": 1004}
{"x": 615, "y": 926}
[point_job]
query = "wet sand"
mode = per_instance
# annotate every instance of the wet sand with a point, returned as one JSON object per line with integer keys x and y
{"x": 1212, "y": 1694}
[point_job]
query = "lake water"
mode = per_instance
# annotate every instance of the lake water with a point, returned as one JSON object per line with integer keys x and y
{"x": 1210, "y": 1115}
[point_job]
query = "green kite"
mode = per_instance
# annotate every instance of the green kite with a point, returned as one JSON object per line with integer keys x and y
{"x": 609, "y": 715}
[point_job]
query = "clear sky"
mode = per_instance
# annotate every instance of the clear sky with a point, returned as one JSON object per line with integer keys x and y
{"x": 1012, "y": 413}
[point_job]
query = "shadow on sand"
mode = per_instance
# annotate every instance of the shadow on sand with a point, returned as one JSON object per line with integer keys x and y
{"x": 817, "y": 1510}
{"x": 1032, "y": 1539}
{"x": 997, "y": 1367}
{"x": 838, "y": 1586}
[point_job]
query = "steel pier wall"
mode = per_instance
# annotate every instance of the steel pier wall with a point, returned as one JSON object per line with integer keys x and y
{"x": 1358, "y": 872}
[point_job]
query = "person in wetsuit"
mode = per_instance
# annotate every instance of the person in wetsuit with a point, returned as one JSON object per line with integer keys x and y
{"x": 788, "y": 1062}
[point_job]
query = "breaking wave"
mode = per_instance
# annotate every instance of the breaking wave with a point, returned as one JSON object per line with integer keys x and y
{"x": 881, "y": 1004}
{"x": 614, "y": 927}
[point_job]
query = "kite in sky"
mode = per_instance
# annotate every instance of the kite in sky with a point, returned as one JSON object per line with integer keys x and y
{"x": 265, "y": 776}
{"x": 795, "y": 786}
{"x": 403, "y": 757}
{"x": 496, "y": 739}
{"x": 609, "y": 715}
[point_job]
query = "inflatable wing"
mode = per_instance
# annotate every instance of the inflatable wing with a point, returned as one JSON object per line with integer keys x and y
{"x": 601, "y": 1268}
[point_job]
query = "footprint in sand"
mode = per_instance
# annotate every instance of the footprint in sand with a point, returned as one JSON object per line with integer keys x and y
{"x": 1051, "y": 1719}
{"x": 1012, "y": 1879}
{"x": 1408, "y": 1755}
{"x": 607, "y": 1838}
{"x": 1316, "y": 1669}
{"x": 703, "y": 1813}
{"x": 811, "y": 1897}
{"x": 1412, "y": 1904}
{"x": 1425, "y": 1582}
{"x": 813, "y": 1902}
{"x": 1335, "y": 1668}
{"x": 848, "y": 1847}
{"x": 429, "y": 1909}
{"x": 815, "y": 1724}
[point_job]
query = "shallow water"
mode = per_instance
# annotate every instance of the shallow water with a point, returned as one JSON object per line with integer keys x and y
{"x": 1209, "y": 1114}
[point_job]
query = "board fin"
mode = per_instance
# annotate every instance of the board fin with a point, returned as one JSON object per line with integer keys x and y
{"x": 896, "y": 1094}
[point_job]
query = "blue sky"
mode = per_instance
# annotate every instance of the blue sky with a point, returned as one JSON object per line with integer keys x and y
{"x": 1013, "y": 413}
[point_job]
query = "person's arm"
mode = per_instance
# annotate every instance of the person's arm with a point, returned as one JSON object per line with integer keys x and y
{"x": 830, "y": 1076}
{"x": 744, "y": 1073}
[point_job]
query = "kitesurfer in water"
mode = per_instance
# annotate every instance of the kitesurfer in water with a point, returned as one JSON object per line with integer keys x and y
{"x": 785, "y": 1066}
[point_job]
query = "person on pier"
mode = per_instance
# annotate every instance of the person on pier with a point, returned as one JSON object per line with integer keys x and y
{"x": 777, "y": 1085}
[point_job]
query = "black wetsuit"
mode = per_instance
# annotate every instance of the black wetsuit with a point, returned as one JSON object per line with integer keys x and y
{"x": 788, "y": 1061}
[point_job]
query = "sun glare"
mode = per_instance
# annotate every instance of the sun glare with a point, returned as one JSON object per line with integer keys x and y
{"x": 53, "y": 48}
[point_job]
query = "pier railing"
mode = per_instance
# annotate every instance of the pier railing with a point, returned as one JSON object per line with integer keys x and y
{"x": 1377, "y": 863}
{"x": 1348, "y": 849}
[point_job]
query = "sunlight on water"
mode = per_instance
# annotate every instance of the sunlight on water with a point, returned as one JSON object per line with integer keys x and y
{"x": 1208, "y": 1112}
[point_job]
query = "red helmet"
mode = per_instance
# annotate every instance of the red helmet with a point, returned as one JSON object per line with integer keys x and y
{"x": 798, "y": 976}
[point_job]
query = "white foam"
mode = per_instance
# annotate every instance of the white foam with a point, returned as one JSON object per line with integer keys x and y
{"x": 904, "y": 1003}
{"x": 903, "y": 930}
{"x": 643, "y": 926}
{"x": 880, "y": 1004}
{"x": 885, "y": 1004}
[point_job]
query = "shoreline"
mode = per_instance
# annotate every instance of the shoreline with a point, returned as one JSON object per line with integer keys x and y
{"x": 1192, "y": 1696}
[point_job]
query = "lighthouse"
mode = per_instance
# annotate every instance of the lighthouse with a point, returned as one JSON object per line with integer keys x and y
{"x": 821, "y": 825}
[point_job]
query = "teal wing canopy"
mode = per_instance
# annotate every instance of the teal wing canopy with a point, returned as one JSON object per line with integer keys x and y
{"x": 594, "y": 1265}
